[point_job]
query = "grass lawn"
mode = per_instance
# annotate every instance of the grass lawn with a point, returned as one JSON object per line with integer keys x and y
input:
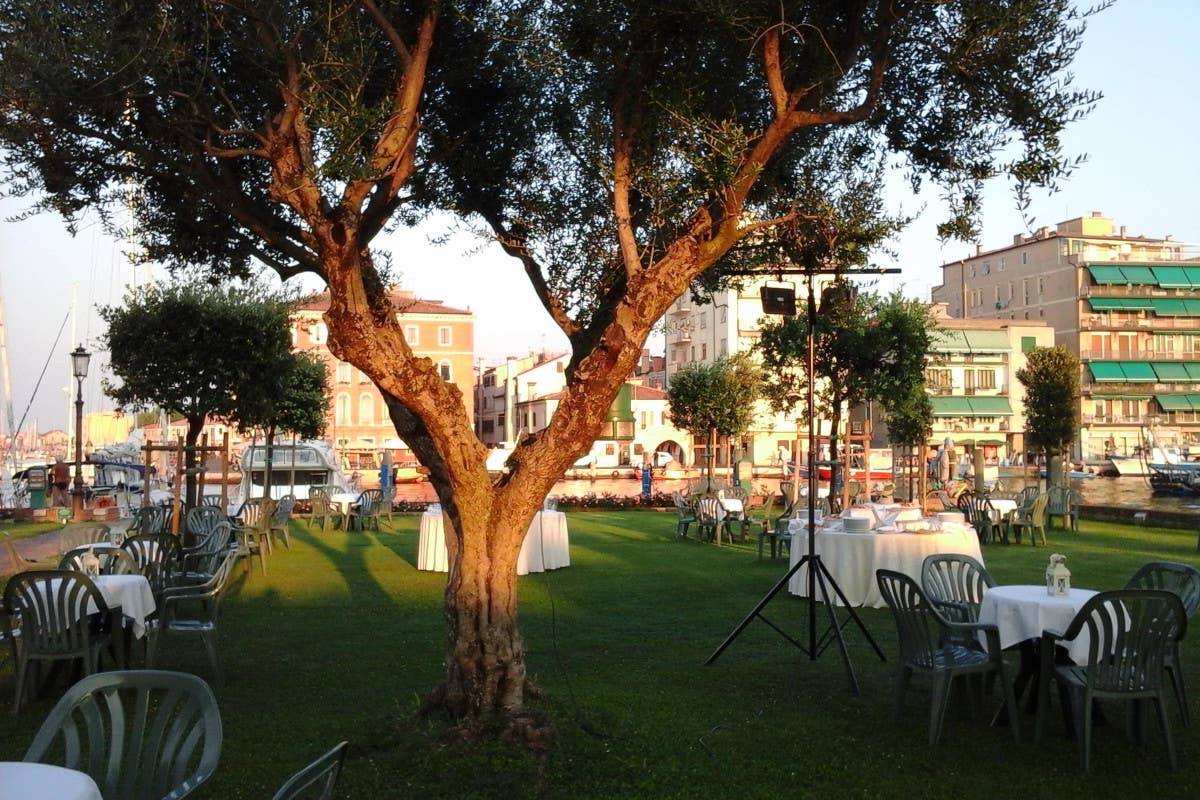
{"x": 343, "y": 636}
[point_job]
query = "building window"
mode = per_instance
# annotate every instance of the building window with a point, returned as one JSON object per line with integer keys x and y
{"x": 366, "y": 409}
{"x": 938, "y": 378}
{"x": 500, "y": 422}
{"x": 1000, "y": 267}
{"x": 703, "y": 351}
{"x": 1024, "y": 258}
{"x": 294, "y": 333}
{"x": 986, "y": 379}
{"x": 1025, "y": 293}
{"x": 724, "y": 314}
{"x": 444, "y": 339}
{"x": 343, "y": 372}
{"x": 703, "y": 322}
{"x": 362, "y": 377}
{"x": 319, "y": 333}
{"x": 985, "y": 269}
{"x": 971, "y": 271}
{"x": 721, "y": 349}
{"x": 444, "y": 370}
{"x": 343, "y": 409}
{"x": 1041, "y": 285}
{"x": 412, "y": 334}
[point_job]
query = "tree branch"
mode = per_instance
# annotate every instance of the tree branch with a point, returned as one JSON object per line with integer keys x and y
{"x": 623, "y": 139}
{"x": 514, "y": 245}
{"x": 389, "y": 31}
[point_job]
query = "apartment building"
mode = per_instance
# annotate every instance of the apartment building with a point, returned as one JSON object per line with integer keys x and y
{"x": 977, "y": 400}
{"x": 358, "y": 418}
{"x": 1127, "y": 305}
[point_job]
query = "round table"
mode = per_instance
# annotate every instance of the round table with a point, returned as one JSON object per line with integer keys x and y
{"x": 30, "y": 781}
{"x": 546, "y": 544}
{"x": 342, "y": 502}
{"x": 1023, "y": 612}
{"x": 852, "y": 558}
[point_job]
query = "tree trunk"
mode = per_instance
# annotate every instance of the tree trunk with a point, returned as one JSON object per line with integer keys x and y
{"x": 268, "y": 460}
{"x": 191, "y": 482}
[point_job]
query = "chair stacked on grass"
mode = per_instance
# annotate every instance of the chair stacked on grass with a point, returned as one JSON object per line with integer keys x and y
{"x": 202, "y": 603}
{"x": 138, "y": 734}
{"x": 1183, "y": 580}
{"x": 387, "y": 504}
{"x": 982, "y": 516}
{"x": 281, "y": 519}
{"x": 1034, "y": 520}
{"x": 1063, "y": 502}
{"x": 51, "y": 612}
{"x": 254, "y": 530}
{"x": 1130, "y": 632}
{"x": 932, "y": 644}
{"x": 365, "y": 512}
{"x": 710, "y": 520}
{"x": 150, "y": 519}
{"x": 686, "y": 512}
{"x": 322, "y": 508}
{"x": 157, "y": 557}
{"x": 198, "y": 564}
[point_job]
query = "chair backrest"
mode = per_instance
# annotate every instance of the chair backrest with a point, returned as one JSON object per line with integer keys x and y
{"x": 74, "y": 536}
{"x": 211, "y": 500}
{"x": 1058, "y": 500}
{"x": 149, "y": 519}
{"x": 708, "y": 510}
{"x": 368, "y": 502}
{"x": 138, "y": 734}
{"x": 1026, "y": 496}
{"x": 917, "y": 622}
{"x": 257, "y": 511}
{"x": 1037, "y": 514}
{"x": 317, "y": 780}
{"x": 318, "y": 501}
{"x": 52, "y": 608}
{"x": 156, "y": 555}
{"x": 206, "y": 558}
{"x": 952, "y": 578}
{"x": 202, "y": 520}
{"x": 283, "y": 510}
{"x": 1181, "y": 579}
{"x": 114, "y": 560}
{"x": 1129, "y": 632}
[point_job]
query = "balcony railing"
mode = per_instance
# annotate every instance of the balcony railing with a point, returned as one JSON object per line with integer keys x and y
{"x": 1092, "y": 322}
{"x": 1138, "y": 354}
{"x": 1113, "y": 419}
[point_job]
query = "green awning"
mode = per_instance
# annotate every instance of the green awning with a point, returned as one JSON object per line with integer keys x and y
{"x": 1139, "y": 275}
{"x": 987, "y": 341}
{"x": 1192, "y": 306}
{"x": 1138, "y": 371}
{"x": 992, "y": 442}
{"x": 1193, "y": 370}
{"x": 1167, "y": 371}
{"x": 1107, "y": 274}
{"x": 1193, "y": 274}
{"x": 990, "y": 406}
{"x": 1106, "y": 371}
{"x": 949, "y": 340}
{"x": 1169, "y": 307}
{"x": 1121, "y": 303}
{"x": 950, "y": 406}
{"x": 1174, "y": 402}
{"x": 1171, "y": 277}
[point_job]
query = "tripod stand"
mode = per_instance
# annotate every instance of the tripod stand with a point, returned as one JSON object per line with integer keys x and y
{"x": 818, "y": 575}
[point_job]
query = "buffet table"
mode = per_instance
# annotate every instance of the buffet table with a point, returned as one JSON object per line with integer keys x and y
{"x": 852, "y": 558}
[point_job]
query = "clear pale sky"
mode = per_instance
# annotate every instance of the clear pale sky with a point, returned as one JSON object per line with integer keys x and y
{"x": 1143, "y": 171}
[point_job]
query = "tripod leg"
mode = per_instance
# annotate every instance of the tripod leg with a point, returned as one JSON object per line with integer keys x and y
{"x": 754, "y": 612}
{"x": 835, "y": 628}
{"x": 823, "y": 570}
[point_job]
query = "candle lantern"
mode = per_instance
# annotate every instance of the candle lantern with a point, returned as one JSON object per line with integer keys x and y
{"x": 1058, "y": 577}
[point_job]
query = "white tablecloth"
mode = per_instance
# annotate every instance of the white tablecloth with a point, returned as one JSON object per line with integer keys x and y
{"x": 21, "y": 781}
{"x": 1023, "y": 612}
{"x": 546, "y": 544}
{"x": 132, "y": 593}
{"x": 431, "y": 543}
{"x": 342, "y": 502}
{"x": 852, "y": 558}
{"x": 1002, "y": 507}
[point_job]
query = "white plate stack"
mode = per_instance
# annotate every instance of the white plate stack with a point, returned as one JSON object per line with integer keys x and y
{"x": 856, "y": 525}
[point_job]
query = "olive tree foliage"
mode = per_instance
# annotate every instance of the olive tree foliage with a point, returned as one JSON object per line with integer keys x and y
{"x": 153, "y": 354}
{"x": 1051, "y": 380}
{"x": 717, "y": 398}
{"x": 618, "y": 150}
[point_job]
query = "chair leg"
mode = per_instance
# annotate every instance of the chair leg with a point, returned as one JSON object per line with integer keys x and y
{"x": 1083, "y": 726}
{"x": 1161, "y": 708}
{"x": 210, "y": 644}
{"x": 22, "y": 672}
{"x": 1010, "y": 702}
{"x": 1175, "y": 670}
{"x": 937, "y": 706}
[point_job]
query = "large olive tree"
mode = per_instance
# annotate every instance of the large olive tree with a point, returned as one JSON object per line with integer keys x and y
{"x": 617, "y": 150}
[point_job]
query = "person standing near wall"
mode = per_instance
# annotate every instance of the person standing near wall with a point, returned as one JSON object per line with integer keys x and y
{"x": 61, "y": 479}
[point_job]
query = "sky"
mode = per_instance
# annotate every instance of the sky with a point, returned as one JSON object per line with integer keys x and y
{"x": 1142, "y": 170}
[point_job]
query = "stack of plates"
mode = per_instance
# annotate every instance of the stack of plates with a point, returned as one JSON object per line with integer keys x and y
{"x": 953, "y": 517}
{"x": 856, "y": 525}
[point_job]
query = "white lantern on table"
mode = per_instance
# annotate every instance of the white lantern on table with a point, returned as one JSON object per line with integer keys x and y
{"x": 1058, "y": 577}
{"x": 90, "y": 563}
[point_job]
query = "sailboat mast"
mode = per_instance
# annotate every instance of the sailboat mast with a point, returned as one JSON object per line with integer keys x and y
{"x": 10, "y": 418}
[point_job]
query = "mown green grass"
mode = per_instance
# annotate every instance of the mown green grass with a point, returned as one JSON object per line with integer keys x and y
{"x": 343, "y": 637}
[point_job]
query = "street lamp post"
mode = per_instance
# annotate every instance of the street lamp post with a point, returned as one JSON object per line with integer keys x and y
{"x": 79, "y": 368}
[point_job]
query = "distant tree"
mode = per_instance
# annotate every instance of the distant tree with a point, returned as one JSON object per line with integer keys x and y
{"x": 617, "y": 151}
{"x": 909, "y": 420}
{"x": 868, "y": 347}
{"x": 194, "y": 350}
{"x": 1051, "y": 380}
{"x": 718, "y": 398}
{"x": 293, "y": 400}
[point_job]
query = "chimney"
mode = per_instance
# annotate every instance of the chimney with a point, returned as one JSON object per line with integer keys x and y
{"x": 978, "y": 249}
{"x": 1124, "y": 230}
{"x": 1097, "y": 214}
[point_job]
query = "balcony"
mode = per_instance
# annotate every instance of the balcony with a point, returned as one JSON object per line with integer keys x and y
{"x": 1138, "y": 354}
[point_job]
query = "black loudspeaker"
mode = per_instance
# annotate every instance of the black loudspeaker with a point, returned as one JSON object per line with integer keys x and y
{"x": 779, "y": 300}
